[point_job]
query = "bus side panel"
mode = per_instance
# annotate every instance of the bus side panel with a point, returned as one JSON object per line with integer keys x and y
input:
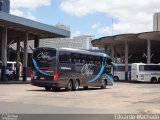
{"x": 75, "y": 71}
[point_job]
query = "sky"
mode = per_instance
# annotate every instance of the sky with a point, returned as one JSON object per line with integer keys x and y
{"x": 91, "y": 17}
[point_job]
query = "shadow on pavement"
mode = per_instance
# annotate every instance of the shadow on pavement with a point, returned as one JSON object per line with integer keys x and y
{"x": 63, "y": 90}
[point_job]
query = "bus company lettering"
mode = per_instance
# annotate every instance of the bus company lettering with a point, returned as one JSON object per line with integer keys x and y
{"x": 43, "y": 55}
{"x": 65, "y": 68}
{"x": 86, "y": 70}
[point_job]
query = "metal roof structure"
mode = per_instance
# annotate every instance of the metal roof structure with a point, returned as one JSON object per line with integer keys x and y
{"x": 137, "y": 44}
{"x": 18, "y": 25}
{"x": 14, "y": 29}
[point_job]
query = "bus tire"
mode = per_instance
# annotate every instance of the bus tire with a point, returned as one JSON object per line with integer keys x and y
{"x": 154, "y": 80}
{"x": 104, "y": 84}
{"x": 69, "y": 86}
{"x": 76, "y": 85}
{"x": 116, "y": 78}
{"x": 47, "y": 88}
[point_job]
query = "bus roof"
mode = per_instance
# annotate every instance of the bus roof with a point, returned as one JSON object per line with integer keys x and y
{"x": 144, "y": 64}
{"x": 77, "y": 51}
{"x": 84, "y": 52}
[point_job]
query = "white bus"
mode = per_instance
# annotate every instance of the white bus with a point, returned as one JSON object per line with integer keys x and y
{"x": 145, "y": 72}
{"x": 119, "y": 72}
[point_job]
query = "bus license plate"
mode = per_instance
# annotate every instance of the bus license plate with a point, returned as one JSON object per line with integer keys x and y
{"x": 41, "y": 78}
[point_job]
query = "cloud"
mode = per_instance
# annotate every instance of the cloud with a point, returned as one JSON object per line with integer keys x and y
{"x": 96, "y": 25}
{"x": 20, "y": 13}
{"x": 25, "y": 8}
{"x": 29, "y": 4}
{"x": 105, "y": 30}
{"x": 76, "y": 33}
{"x": 129, "y": 15}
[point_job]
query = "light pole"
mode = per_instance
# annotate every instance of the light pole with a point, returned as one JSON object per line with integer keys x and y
{"x": 1, "y": 2}
{"x": 112, "y": 26}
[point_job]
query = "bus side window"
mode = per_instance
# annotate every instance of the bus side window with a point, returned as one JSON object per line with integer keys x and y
{"x": 77, "y": 60}
{"x": 83, "y": 62}
{"x": 69, "y": 60}
{"x": 73, "y": 60}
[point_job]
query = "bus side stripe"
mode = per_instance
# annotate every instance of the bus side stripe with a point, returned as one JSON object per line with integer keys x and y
{"x": 99, "y": 74}
{"x": 37, "y": 68}
{"x": 109, "y": 77}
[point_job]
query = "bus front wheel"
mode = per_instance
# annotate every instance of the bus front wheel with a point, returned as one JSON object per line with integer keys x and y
{"x": 154, "y": 80}
{"x": 116, "y": 78}
{"x": 69, "y": 85}
{"x": 104, "y": 84}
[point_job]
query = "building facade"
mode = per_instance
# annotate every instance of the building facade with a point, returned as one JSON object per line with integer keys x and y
{"x": 79, "y": 42}
{"x": 156, "y": 22}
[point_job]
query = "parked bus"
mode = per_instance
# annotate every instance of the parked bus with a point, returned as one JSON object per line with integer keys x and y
{"x": 145, "y": 72}
{"x": 69, "y": 68}
{"x": 119, "y": 72}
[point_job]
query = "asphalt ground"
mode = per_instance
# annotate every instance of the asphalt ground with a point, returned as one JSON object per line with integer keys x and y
{"x": 138, "y": 98}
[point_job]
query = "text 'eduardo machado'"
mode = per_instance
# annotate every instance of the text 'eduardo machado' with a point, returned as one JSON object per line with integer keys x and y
{"x": 137, "y": 116}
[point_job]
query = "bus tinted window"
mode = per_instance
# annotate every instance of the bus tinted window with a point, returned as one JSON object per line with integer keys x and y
{"x": 119, "y": 68}
{"x": 75, "y": 58}
{"x": 64, "y": 57}
{"x": 45, "y": 57}
{"x": 149, "y": 67}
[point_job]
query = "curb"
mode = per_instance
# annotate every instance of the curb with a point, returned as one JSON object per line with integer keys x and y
{"x": 16, "y": 82}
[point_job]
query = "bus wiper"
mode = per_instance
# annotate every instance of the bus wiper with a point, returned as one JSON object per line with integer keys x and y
{"x": 31, "y": 48}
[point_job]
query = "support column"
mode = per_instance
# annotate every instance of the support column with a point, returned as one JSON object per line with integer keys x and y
{"x": 36, "y": 41}
{"x": 148, "y": 51}
{"x": 112, "y": 51}
{"x": 106, "y": 49}
{"x": 4, "y": 54}
{"x": 25, "y": 57}
{"x": 18, "y": 60}
{"x": 126, "y": 60}
{"x": 115, "y": 54}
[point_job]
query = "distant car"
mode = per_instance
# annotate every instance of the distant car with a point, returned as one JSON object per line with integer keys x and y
{"x": 11, "y": 67}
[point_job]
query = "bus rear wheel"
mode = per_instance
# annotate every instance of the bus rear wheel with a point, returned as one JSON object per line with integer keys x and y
{"x": 104, "y": 84}
{"x": 153, "y": 80}
{"x": 76, "y": 85}
{"x": 69, "y": 85}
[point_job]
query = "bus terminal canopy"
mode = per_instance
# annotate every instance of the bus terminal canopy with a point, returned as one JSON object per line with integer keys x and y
{"x": 15, "y": 29}
{"x": 131, "y": 48}
{"x": 142, "y": 45}
{"x": 17, "y": 26}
